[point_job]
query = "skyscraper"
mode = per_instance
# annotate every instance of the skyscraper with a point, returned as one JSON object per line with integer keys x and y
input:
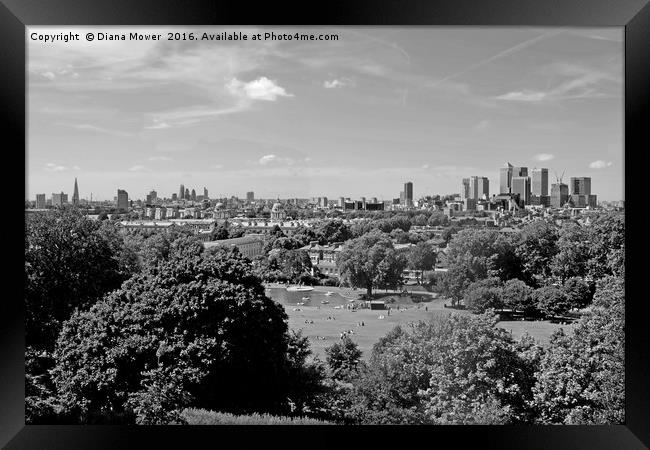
{"x": 519, "y": 171}
{"x": 205, "y": 193}
{"x": 58, "y": 200}
{"x": 521, "y": 186}
{"x": 122, "y": 200}
{"x": 186, "y": 196}
{"x": 75, "y": 194}
{"x": 40, "y": 201}
{"x": 193, "y": 195}
{"x": 505, "y": 179}
{"x": 559, "y": 194}
{"x": 408, "y": 193}
{"x": 580, "y": 185}
{"x": 181, "y": 193}
{"x": 478, "y": 187}
{"x": 250, "y": 196}
{"x": 465, "y": 191}
{"x": 540, "y": 182}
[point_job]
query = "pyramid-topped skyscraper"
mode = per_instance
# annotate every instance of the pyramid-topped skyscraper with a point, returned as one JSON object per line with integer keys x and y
{"x": 75, "y": 195}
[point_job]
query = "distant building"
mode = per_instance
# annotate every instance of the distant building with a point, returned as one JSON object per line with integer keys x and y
{"x": 249, "y": 246}
{"x": 122, "y": 200}
{"x": 478, "y": 188}
{"x": 75, "y": 193}
{"x": 323, "y": 257}
{"x": 174, "y": 197}
{"x": 521, "y": 187}
{"x": 539, "y": 186}
{"x": 580, "y": 185}
{"x": 322, "y": 202}
{"x": 465, "y": 189}
{"x": 408, "y": 193}
{"x": 341, "y": 202}
{"x": 187, "y": 194}
{"x": 278, "y": 212}
{"x": 40, "y": 201}
{"x": 505, "y": 179}
{"x": 181, "y": 193}
{"x": 58, "y": 200}
{"x": 205, "y": 193}
{"x": 193, "y": 195}
{"x": 250, "y": 196}
{"x": 559, "y": 194}
{"x": 161, "y": 213}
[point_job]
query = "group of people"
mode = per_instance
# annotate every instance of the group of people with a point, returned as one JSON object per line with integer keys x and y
{"x": 346, "y": 333}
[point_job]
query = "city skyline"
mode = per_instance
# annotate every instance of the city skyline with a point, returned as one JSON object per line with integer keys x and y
{"x": 355, "y": 117}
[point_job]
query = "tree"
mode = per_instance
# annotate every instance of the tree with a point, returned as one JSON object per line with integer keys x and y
{"x": 574, "y": 252}
{"x": 198, "y": 324}
{"x": 333, "y": 231}
{"x": 579, "y": 293}
{"x": 421, "y": 257}
{"x": 370, "y": 261}
{"x": 581, "y": 378}
{"x": 517, "y": 295}
{"x": 343, "y": 359}
{"x": 551, "y": 300}
{"x": 484, "y": 294}
{"x": 536, "y": 248}
{"x": 70, "y": 262}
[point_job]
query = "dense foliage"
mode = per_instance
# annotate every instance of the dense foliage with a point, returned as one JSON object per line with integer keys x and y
{"x": 195, "y": 330}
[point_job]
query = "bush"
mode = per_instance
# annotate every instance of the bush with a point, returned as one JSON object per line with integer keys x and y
{"x": 197, "y": 324}
{"x": 203, "y": 417}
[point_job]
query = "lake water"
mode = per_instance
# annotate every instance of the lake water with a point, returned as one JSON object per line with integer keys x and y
{"x": 282, "y": 296}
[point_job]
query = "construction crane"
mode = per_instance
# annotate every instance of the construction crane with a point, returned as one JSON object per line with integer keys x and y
{"x": 559, "y": 179}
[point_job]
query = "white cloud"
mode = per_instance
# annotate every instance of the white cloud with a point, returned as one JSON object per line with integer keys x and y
{"x": 274, "y": 159}
{"x": 260, "y": 89}
{"x": 600, "y": 164}
{"x": 337, "y": 83}
{"x": 543, "y": 157}
{"x": 218, "y": 166}
{"x": 49, "y": 75}
{"x": 425, "y": 166}
{"x": 51, "y": 167}
{"x": 160, "y": 158}
{"x": 138, "y": 168}
{"x": 523, "y": 96}
{"x": 76, "y": 168}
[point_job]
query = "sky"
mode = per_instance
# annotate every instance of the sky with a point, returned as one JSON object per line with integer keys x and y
{"x": 358, "y": 116}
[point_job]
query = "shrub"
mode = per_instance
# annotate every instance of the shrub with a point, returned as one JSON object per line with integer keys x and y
{"x": 193, "y": 416}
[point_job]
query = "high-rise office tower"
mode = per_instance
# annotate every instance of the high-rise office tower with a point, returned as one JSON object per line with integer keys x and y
{"x": 205, "y": 193}
{"x": 122, "y": 199}
{"x": 519, "y": 172}
{"x": 478, "y": 188}
{"x": 186, "y": 196}
{"x": 559, "y": 194}
{"x": 341, "y": 202}
{"x": 505, "y": 179}
{"x": 193, "y": 195}
{"x": 580, "y": 185}
{"x": 540, "y": 182}
{"x": 181, "y": 193}
{"x": 521, "y": 186}
{"x": 40, "y": 201}
{"x": 250, "y": 196}
{"x": 174, "y": 197}
{"x": 408, "y": 193}
{"x": 75, "y": 193}
{"x": 465, "y": 191}
{"x": 59, "y": 199}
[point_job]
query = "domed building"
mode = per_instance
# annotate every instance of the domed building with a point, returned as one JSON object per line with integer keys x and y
{"x": 220, "y": 211}
{"x": 278, "y": 212}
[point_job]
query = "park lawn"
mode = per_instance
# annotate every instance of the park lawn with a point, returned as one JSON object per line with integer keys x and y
{"x": 344, "y": 319}
{"x": 540, "y": 331}
{"x": 375, "y": 328}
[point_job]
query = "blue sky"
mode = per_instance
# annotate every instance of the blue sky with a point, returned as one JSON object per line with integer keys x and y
{"x": 354, "y": 117}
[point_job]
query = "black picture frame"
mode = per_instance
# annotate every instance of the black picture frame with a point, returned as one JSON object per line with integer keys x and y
{"x": 634, "y": 15}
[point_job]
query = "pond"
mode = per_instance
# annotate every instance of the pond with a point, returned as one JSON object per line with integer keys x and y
{"x": 282, "y": 296}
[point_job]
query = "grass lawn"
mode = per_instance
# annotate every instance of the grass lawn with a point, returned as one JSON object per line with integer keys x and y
{"x": 323, "y": 332}
{"x": 540, "y": 331}
{"x": 329, "y": 331}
